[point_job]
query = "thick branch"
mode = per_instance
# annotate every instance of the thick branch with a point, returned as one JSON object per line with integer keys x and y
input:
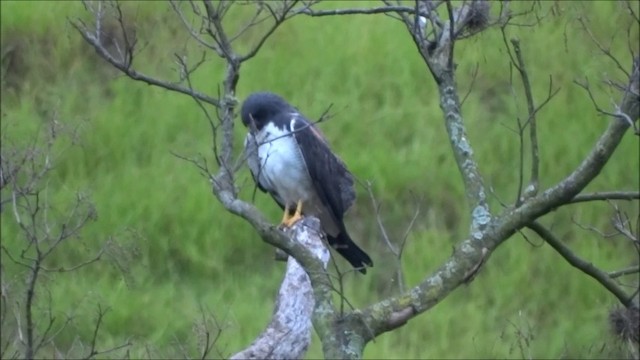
{"x": 438, "y": 56}
{"x": 392, "y": 313}
{"x": 288, "y": 335}
{"x": 463, "y": 153}
{"x": 584, "y": 266}
{"x": 395, "y": 312}
{"x": 324, "y": 313}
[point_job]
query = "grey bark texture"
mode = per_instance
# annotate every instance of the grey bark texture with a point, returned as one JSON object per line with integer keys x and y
{"x": 288, "y": 335}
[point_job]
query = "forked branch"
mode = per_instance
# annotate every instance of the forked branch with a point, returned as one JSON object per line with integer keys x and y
{"x": 125, "y": 61}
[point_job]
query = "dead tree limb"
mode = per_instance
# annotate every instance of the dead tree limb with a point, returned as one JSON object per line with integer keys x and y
{"x": 288, "y": 335}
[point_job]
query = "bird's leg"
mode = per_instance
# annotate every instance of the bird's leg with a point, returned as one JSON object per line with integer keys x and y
{"x": 296, "y": 216}
{"x": 285, "y": 217}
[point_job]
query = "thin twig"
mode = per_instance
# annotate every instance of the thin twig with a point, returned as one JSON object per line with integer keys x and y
{"x": 474, "y": 75}
{"x": 212, "y": 124}
{"x": 361, "y": 11}
{"x": 584, "y": 266}
{"x": 532, "y": 188}
{"x": 78, "y": 266}
{"x": 627, "y": 271}
{"x": 125, "y": 68}
{"x": 604, "y": 50}
{"x": 278, "y": 20}
{"x": 606, "y": 195}
{"x": 175, "y": 6}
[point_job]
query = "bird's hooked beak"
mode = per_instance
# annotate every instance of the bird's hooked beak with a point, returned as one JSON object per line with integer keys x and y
{"x": 253, "y": 129}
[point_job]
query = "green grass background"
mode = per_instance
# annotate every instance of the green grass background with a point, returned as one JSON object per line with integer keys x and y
{"x": 173, "y": 249}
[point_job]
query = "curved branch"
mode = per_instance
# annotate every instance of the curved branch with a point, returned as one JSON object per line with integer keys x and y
{"x": 288, "y": 335}
{"x": 392, "y": 313}
{"x": 133, "y": 74}
{"x": 588, "y": 268}
{"x": 324, "y": 313}
{"x": 468, "y": 254}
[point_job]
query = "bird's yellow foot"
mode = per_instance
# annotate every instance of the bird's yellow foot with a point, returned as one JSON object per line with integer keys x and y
{"x": 289, "y": 221}
{"x": 285, "y": 217}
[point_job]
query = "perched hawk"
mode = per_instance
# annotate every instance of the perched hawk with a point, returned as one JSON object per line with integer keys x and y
{"x": 296, "y": 166}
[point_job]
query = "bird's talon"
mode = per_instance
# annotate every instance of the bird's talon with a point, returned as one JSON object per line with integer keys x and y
{"x": 294, "y": 219}
{"x": 285, "y": 217}
{"x": 289, "y": 221}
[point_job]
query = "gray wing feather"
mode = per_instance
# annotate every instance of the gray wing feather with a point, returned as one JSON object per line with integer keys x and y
{"x": 330, "y": 176}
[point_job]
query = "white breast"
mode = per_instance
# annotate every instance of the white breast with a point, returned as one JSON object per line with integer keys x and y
{"x": 282, "y": 167}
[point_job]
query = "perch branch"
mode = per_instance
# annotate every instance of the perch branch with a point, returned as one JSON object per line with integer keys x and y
{"x": 324, "y": 314}
{"x": 288, "y": 335}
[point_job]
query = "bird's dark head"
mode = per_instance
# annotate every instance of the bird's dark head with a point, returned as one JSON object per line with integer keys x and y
{"x": 261, "y": 107}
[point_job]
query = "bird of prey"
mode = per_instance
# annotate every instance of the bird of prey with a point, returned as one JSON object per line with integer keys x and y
{"x": 295, "y": 165}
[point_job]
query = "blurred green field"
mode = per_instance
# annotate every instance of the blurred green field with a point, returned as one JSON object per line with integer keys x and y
{"x": 173, "y": 249}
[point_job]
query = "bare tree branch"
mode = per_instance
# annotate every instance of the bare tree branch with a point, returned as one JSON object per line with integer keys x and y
{"x": 603, "y": 49}
{"x": 175, "y": 5}
{"x": 526, "y": 84}
{"x": 618, "y": 114}
{"x": 517, "y": 61}
{"x": 474, "y": 75}
{"x": 608, "y": 195}
{"x": 78, "y": 266}
{"x": 288, "y": 335}
{"x": 345, "y": 335}
{"x": 124, "y": 66}
{"x": 584, "y": 266}
{"x": 359, "y": 11}
{"x": 622, "y": 272}
{"x": 93, "y": 351}
{"x": 394, "y": 312}
{"x": 395, "y": 248}
{"x": 278, "y": 18}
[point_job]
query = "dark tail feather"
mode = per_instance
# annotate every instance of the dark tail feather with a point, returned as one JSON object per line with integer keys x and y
{"x": 350, "y": 251}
